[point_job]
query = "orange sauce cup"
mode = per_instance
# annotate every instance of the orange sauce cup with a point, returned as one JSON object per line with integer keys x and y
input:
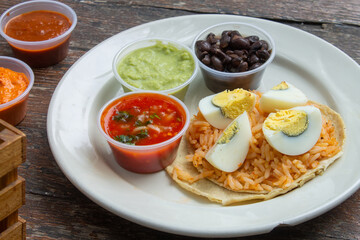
{"x": 14, "y": 111}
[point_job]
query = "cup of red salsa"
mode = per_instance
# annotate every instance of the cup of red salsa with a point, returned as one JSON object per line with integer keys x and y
{"x": 144, "y": 129}
{"x": 38, "y": 31}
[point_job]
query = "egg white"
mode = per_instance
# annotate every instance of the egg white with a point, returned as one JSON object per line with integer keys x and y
{"x": 229, "y": 156}
{"x": 213, "y": 114}
{"x": 274, "y": 100}
{"x": 298, "y": 144}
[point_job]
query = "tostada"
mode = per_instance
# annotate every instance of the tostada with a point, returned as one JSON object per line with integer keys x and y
{"x": 247, "y": 145}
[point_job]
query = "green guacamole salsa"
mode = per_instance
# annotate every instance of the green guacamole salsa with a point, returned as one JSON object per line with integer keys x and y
{"x": 158, "y": 67}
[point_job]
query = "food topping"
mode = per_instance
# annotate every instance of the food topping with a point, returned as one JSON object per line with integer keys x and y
{"x": 231, "y": 148}
{"x": 282, "y": 96}
{"x": 291, "y": 122}
{"x": 221, "y": 108}
{"x": 294, "y": 131}
{"x": 12, "y": 84}
{"x": 232, "y": 52}
{"x": 213, "y": 113}
{"x": 235, "y": 102}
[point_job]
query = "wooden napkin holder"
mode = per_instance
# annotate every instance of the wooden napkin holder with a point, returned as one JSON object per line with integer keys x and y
{"x": 12, "y": 186}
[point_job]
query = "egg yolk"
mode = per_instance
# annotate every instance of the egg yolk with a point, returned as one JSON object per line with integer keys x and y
{"x": 234, "y": 103}
{"x": 282, "y": 86}
{"x": 291, "y": 122}
{"x": 229, "y": 133}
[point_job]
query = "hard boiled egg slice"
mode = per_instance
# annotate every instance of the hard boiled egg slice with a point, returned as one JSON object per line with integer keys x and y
{"x": 293, "y": 131}
{"x": 213, "y": 113}
{"x": 230, "y": 150}
{"x": 282, "y": 96}
{"x": 222, "y": 108}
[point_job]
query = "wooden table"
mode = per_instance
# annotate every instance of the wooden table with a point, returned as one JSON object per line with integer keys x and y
{"x": 55, "y": 209}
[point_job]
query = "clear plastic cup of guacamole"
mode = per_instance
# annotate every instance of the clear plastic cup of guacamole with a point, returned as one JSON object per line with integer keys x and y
{"x": 159, "y": 65}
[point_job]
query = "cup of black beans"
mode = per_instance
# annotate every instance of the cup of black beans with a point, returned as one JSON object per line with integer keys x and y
{"x": 233, "y": 55}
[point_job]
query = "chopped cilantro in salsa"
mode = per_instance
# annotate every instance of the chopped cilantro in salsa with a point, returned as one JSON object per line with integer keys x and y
{"x": 123, "y": 116}
{"x": 140, "y": 123}
{"x": 154, "y": 115}
{"x": 142, "y": 119}
{"x": 131, "y": 139}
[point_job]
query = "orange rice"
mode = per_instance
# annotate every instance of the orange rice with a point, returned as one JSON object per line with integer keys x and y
{"x": 264, "y": 168}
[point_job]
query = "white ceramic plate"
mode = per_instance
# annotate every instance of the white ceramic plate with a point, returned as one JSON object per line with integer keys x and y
{"x": 323, "y": 72}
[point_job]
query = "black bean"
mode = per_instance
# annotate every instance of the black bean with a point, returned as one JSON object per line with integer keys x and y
{"x": 255, "y": 46}
{"x": 263, "y": 54}
{"x": 217, "y": 63}
{"x": 245, "y": 57}
{"x": 226, "y": 59}
{"x": 211, "y": 38}
{"x": 253, "y": 59}
{"x": 214, "y": 49}
{"x": 235, "y": 33}
{"x": 238, "y": 42}
{"x": 228, "y": 52}
{"x": 243, "y": 66}
{"x": 264, "y": 45}
{"x": 252, "y": 39}
{"x": 206, "y": 60}
{"x": 203, "y": 46}
{"x": 235, "y": 62}
{"x": 224, "y": 41}
{"x": 242, "y": 53}
{"x": 202, "y": 54}
{"x": 233, "y": 55}
{"x": 226, "y": 32}
{"x": 256, "y": 65}
{"x": 220, "y": 54}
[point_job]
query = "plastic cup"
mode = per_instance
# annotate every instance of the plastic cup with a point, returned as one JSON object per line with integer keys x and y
{"x": 39, "y": 53}
{"x": 14, "y": 111}
{"x": 218, "y": 81}
{"x": 178, "y": 91}
{"x": 146, "y": 158}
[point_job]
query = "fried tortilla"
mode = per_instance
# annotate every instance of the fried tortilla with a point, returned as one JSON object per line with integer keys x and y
{"x": 217, "y": 192}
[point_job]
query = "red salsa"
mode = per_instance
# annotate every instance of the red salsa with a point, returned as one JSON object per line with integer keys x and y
{"x": 142, "y": 119}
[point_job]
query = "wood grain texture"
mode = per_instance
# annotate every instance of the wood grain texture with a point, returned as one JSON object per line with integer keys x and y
{"x": 16, "y": 231}
{"x": 55, "y": 209}
{"x": 323, "y": 11}
{"x": 12, "y": 197}
{"x": 12, "y": 150}
{"x": 66, "y": 218}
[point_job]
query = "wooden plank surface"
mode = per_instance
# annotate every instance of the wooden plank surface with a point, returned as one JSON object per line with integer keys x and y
{"x": 55, "y": 209}
{"x": 339, "y": 12}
